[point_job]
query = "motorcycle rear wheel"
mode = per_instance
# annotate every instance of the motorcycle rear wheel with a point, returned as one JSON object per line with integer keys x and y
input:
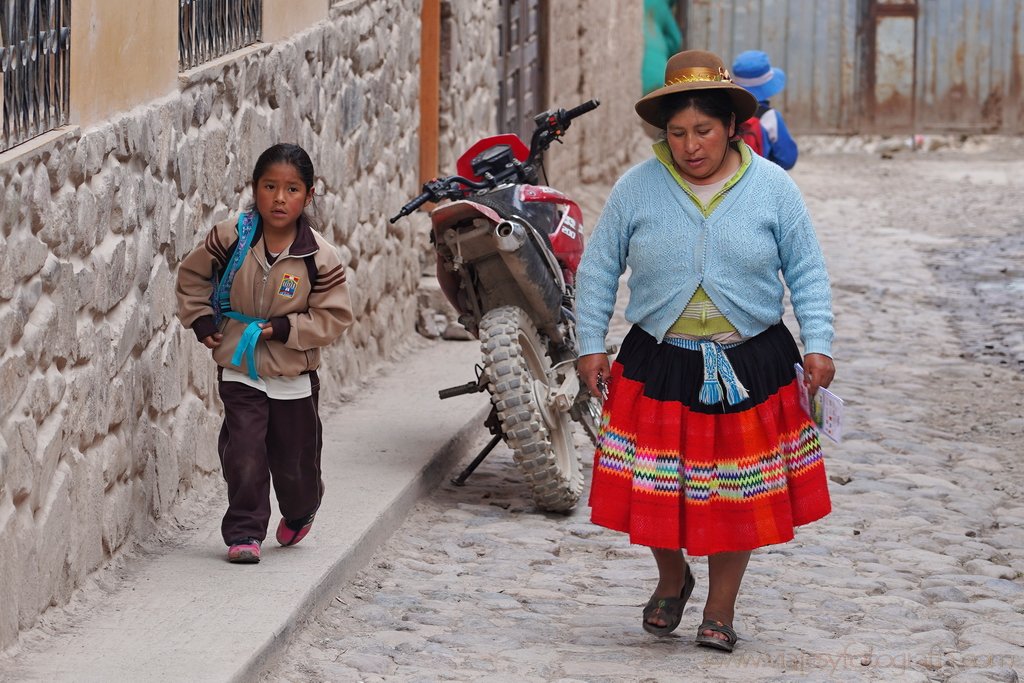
{"x": 541, "y": 438}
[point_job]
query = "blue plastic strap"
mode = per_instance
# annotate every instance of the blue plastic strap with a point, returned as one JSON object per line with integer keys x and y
{"x": 247, "y": 344}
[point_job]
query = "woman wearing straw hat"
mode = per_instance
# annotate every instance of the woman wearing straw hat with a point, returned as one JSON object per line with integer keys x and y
{"x": 704, "y": 447}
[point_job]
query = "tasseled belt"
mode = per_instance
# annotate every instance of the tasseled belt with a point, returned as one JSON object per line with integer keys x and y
{"x": 246, "y": 348}
{"x": 717, "y": 370}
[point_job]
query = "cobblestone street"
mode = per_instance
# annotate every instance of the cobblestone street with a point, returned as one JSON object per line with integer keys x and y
{"x": 916, "y": 574}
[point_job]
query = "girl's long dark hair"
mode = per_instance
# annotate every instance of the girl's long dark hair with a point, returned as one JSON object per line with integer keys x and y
{"x": 285, "y": 153}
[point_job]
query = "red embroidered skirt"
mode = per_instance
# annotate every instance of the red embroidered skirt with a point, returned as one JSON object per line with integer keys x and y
{"x": 675, "y": 473}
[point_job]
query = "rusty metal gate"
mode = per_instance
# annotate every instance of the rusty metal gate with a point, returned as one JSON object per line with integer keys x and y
{"x": 520, "y": 66}
{"x": 969, "y": 72}
{"x": 889, "y": 63}
{"x": 879, "y": 66}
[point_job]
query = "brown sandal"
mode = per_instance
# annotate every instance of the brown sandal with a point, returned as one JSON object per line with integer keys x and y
{"x": 670, "y": 608}
{"x": 726, "y": 645}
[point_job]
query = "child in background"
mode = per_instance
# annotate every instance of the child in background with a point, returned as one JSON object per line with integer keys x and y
{"x": 754, "y": 72}
{"x": 265, "y": 293}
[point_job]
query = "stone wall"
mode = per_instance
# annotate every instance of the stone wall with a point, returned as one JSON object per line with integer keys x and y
{"x": 108, "y": 413}
{"x": 469, "y": 76}
{"x": 594, "y": 49}
{"x": 108, "y": 409}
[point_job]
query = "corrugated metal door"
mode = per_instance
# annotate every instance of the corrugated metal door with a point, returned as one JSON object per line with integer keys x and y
{"x": 970, "y": 71}
{"x": 879, "y": 66}
{"x": 814, "y": 42}
{"x": 520, "y": 73}
{"x": 890, "y": 62}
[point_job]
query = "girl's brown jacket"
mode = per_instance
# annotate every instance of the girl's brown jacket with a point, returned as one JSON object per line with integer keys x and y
{"x": 304, "y": 318}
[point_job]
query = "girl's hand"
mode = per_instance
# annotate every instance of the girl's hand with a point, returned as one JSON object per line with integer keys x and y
{"x": 818, "y": 372}
{"x": 268, "y": 330}
{"x": 595, "y": 372}
{"x": 213, "y": 341}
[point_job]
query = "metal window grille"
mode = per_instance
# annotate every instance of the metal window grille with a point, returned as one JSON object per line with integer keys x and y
{"x": 35, "y": 37}
{"x": 208, "y": 29}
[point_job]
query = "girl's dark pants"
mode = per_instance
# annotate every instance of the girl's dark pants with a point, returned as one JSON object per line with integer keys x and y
{"x": 262, "y": 438}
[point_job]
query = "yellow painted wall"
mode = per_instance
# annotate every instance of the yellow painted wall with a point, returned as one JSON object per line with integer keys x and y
{"x": 122, "y": 55}
{"x": 282, "y": 18}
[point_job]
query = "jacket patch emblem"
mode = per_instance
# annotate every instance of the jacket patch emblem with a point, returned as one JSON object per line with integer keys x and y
{"x": 288, "y": 286}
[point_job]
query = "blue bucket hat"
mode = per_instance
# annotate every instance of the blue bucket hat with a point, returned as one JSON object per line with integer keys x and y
{"x": 754, "y": 72}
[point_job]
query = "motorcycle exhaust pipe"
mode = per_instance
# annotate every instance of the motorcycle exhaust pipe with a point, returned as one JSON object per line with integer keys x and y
{"x": 509, "y": 236}
{"x": 531, "y": 273}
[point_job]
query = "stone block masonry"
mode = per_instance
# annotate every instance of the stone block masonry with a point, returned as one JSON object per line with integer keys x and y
{"x": 108, "y": 408}
{"x": 595, "y": 51}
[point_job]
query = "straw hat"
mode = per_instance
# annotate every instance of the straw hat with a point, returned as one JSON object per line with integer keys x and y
{"x": 695, "y": 70}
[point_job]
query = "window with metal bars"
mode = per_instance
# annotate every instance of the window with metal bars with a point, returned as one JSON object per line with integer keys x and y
{"x": 35, "y": 36}
{"x": 208, "y": 29}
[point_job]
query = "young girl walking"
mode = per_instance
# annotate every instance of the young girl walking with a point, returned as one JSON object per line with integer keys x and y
{"x": 265, "y": 292}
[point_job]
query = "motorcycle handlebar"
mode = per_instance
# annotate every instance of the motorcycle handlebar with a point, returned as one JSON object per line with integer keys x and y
{"x": 589, "y": 105}
{"x": 438, "y": 189}
{"x": 550, "y": 126}
{"x": 471, "y": 184}
{"x": 412, "y": 206}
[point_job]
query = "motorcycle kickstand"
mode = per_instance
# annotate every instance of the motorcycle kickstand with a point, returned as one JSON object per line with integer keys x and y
{"x": 494, "y": 427}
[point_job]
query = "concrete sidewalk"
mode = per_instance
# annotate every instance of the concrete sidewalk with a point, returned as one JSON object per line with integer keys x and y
{"x": 189, "y": 615}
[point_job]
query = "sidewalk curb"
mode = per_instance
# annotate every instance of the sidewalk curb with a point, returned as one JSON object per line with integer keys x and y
{"x": 359, "y": 554}
{"x": 182, "y": 612}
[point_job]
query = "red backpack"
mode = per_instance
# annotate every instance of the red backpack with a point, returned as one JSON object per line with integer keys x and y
{"x": 750, "y": 131}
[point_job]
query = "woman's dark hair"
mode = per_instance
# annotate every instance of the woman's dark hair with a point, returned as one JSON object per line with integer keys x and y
{"x": 285, "y": 153}
{"x": 714, "y": 103}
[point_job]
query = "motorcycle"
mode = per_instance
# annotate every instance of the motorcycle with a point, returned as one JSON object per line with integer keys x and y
{"x": 507, "y": 251}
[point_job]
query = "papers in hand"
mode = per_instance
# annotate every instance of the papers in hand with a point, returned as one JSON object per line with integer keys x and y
{"x": 826, "y": 409}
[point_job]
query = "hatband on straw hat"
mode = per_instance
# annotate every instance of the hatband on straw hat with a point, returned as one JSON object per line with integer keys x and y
{"x": 695, "y": 70}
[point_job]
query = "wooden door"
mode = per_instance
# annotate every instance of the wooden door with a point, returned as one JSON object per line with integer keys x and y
{"x": 520, "y": 66}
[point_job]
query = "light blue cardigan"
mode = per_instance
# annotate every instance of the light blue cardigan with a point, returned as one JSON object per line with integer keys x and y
{"x": 759, "y": 228}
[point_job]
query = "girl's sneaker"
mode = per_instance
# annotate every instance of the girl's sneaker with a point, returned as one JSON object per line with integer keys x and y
{"x": 244, "y": 551}
{"x": 290, "y": 533}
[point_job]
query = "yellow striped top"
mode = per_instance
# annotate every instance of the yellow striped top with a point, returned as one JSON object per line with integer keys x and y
{"x": 701, "y": 319}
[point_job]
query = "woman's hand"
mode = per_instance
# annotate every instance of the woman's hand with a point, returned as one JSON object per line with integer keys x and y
{"x": 595, "y": 372}
{"x": 818, "y": 372}
{"x": 213, "y": 341}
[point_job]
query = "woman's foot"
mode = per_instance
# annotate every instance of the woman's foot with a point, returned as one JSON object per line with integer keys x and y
{"x": 717, "y": 635}
{"x": 663, "y": 614}
{"x": 725, "y": 573}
